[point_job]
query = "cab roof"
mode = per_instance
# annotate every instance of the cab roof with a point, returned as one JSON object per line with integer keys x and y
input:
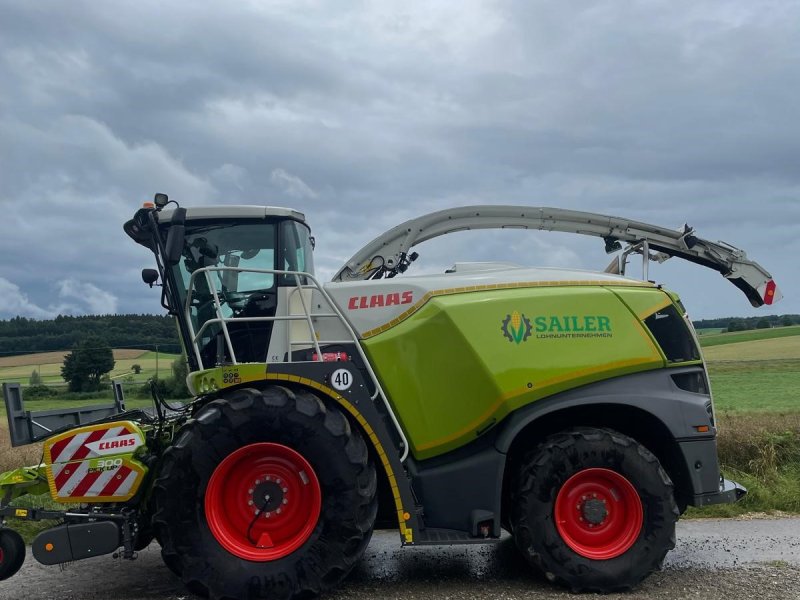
{"x": 233, "y": 212}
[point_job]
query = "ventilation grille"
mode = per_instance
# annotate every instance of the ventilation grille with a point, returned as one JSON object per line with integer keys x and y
{"x": 672, "y": 334}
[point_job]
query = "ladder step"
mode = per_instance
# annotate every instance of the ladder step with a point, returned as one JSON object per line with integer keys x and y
{"x": 444, "y": 537}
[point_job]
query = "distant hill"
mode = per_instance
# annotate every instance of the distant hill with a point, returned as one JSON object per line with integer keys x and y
{"x": 22, "y": 336}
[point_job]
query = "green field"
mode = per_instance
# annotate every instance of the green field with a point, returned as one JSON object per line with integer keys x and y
{"x": 60, "y": 403}
{"x": 755, "y": 371}
{"x": 710, "y": 330}
{"x": 48, "y": 364}
{"x": 755, "y": 377}
{"x": 717, "y": 339}
{"x": 756, "y": 386}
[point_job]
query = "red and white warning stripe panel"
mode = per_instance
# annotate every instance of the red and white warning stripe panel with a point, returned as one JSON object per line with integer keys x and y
{"x": 770, "y": 293}
{"x": 97, "y": 480}
{"x": 95, "y": 463}
{"x": 91, "y": 441}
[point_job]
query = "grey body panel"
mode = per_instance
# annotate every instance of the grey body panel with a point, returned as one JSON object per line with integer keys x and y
{"x": 728, "y": 493}
{"x": 451, "y": 487}
{"x": 26, "y": 427}
{"x": 75, "y": 541}
{"x": 656, "y": 396}
{"x": 697, "y": 453}
{"x": 391, "y": 249}
{"x": 652, "y": 392}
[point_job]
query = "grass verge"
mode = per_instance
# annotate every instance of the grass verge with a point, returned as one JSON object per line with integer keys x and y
{"x": 762, "y": 452}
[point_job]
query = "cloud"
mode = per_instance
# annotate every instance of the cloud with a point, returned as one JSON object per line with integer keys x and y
{"x": 73, "y": 298}
{"x": 291, "y": 185}
{"x": 17, "y": 303}
{"x": 370, "y": 115}
{"x": 230, "y": 175}
{"x": 96, "y": 301}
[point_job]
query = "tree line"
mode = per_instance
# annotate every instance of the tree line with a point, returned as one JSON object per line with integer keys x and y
{"x": 745, "y": 323}
{"x": 21, "y": 335}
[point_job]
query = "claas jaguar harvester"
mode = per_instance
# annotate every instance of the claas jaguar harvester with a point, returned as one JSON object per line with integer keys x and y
{"x": 569, "y": 408}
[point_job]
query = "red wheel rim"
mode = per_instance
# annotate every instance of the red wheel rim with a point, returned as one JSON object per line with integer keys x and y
{"x": 263, "y": 502}
{"x": 598, "y": 514}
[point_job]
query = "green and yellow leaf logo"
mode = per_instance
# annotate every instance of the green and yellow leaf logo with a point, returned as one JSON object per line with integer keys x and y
{"x": 516, "y": 327}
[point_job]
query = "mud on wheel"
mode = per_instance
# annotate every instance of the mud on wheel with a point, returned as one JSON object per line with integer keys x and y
{"x": 594, "y": 510}
{"x": 265, "y": 494}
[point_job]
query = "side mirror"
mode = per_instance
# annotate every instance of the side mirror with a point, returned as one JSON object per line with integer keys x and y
{"x": 174, "y": 245}
{"x": 149, "y": 276}
{"x": 173, "y": 249}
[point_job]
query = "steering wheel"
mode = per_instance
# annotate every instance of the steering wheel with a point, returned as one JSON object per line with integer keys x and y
{"x": 257, "y": 304}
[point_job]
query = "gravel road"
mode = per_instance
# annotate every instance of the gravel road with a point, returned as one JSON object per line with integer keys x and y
{"x": 714, "y": 559}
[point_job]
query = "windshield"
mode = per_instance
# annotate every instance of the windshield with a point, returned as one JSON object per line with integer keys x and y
{"x": 241, "y": 247}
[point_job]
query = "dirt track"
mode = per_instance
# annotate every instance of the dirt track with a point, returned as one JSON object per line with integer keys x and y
{"x": 713, "y": 560}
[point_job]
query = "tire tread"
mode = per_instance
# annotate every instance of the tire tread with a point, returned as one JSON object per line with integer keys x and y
{"x": 536, "y": 459}
{"x": 324, "y": 569}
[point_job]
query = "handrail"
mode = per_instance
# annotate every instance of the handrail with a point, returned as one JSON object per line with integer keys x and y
{"x": 307, "y": 316}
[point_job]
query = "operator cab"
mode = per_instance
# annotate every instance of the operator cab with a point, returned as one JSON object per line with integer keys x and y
{"x": 228, "y": 266}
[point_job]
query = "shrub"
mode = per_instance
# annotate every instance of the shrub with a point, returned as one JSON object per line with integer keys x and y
{"x": 737, "y": 325}
{"x": 39, "y": 391}
{"x": 180, "y": 369}
{"x": 759, "y": 444}
{"x": 143, "y": 391}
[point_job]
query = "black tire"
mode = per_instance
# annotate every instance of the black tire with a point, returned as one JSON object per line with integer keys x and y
{"x": 298, "y": 420}
{"x": 12, "y": 553}
{"x": 543, "y": 474}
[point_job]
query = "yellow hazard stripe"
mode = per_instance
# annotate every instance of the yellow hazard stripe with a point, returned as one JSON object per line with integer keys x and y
{"x": 404, "y": 531}
{"x": 496, "y": 286}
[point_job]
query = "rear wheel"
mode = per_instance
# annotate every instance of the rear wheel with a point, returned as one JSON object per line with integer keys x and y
{"x": 265, "y": 494}
{"x": 12, "y": 553}
{"x": 594, "y": 510}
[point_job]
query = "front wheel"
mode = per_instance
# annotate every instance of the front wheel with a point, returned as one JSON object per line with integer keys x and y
{"x": 12, "y": 553}
{"x": 265, "y": 494}
{"x": 594, "y": 510}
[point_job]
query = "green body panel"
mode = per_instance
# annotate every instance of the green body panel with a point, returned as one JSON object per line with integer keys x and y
{"x": 22, "y": 481}
{"x": 218, "y": 378}
{"x": 643, "y": 302}
{"x": 461, "y": 363}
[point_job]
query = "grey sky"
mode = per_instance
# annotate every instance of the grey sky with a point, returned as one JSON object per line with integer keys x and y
{"x": 365, "y": 114}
